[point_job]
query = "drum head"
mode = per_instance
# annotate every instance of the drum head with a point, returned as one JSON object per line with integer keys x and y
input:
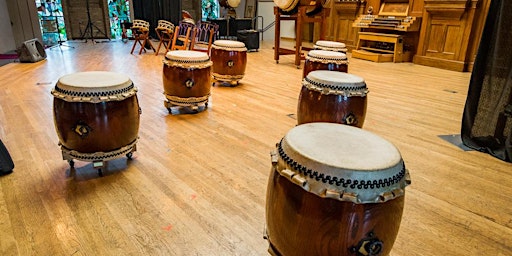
{"x": 339, "y": 157}
{"x": 335, "y": 80}
{"x": 94, "y": 86}
{"x": 286, "y": 5}
{"x": 327, "y": 55}
{"x": 340, "y": 147}
{"x": 233, "y": 3}
{"x": 187, "y": 56}
{"x": 229, "y": 45}
{"x": 330, "y": 46}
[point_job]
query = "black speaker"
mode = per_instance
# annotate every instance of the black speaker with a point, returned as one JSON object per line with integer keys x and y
{"x": 31, "y": 51}
{"x": 6, "y": 164}
{"x": 251, "y": 39}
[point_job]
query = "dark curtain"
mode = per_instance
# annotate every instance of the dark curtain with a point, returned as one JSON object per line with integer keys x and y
{"x": 154, "y": 10}
{"x": 487, "y": 118}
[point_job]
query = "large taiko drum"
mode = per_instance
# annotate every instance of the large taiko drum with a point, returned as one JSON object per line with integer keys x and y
{"x": 334, "y": 190}
{"x": 325, "y": 60}
{"x": 330, "y": 46}
{"x": 229, "y": 60}
{"x": 96, "y": 115}
{"x": 333, "y": 97}
{"x": 229, "y": 3}
{"x": 186, "y": 79}
{"x": 291, "y": 6}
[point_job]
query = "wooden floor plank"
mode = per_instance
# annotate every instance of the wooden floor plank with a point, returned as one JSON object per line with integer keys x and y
{"x": 197, "y": 182}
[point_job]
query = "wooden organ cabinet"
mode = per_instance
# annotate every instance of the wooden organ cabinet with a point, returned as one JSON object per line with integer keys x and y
{"x": 339, "y": 25}
{"x": 389, "y": 30}
{"x": 450, "y": 33}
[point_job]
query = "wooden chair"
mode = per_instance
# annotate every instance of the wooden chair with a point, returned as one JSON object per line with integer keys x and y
{"x": 164, "y": 31}
{"x": 181, "y": 38}
{"x": 202, "y": 37}
{"x": 140, "y": 32}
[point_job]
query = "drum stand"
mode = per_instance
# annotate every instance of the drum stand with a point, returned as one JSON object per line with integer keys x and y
{"x": 99, "y": 159}
{"x": 300, "y": 18}
{"x": 192, "y": 102}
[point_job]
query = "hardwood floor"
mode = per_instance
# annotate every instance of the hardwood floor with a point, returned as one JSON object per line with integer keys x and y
{"x": 197, "y": 183}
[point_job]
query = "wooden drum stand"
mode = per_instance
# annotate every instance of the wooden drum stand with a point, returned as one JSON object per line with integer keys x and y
{"x": 300, "y": 18}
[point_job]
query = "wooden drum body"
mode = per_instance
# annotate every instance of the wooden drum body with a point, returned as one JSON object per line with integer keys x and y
{"x": 186, "y": 78}
{"x": 334, "y": 97}
{"x": 334, "y": 190}
{"x": 330, "y": 46}
{"x": 96, "y": 115}
{"x": 229, "y": 60}
{"x": 325, "y": 60}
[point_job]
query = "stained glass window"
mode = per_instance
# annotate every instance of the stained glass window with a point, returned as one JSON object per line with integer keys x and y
{"x": 119, "y": 13}
{"x": 51, "y": 21}
{"x": 210, "y": 9}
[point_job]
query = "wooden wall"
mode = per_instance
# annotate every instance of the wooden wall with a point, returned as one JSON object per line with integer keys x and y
{"x": 450, "y": 32}
{"x": 339, "y": 27}
{"x": 448, "y": 38}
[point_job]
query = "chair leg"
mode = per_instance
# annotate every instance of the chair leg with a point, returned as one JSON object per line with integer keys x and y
{"x": 158, "y": 48}
{"x": 167, "y": 46}
{"x": 134, "y": 44}
{"x": 142, "y": 46}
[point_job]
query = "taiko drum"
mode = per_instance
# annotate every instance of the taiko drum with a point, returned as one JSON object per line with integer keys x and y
{"x": 330, "y": 46}
{"x": 334, "y": 190}
{"x": 186, "y": 78}
{"x": 96, "y": 115}
{"x": 325, "y": 60}
{"x": 292, "y": 6}
{"x": 229, "y": 60}
{"x": 332, "y": 96}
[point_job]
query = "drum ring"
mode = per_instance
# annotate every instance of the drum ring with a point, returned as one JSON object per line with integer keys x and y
{"x": 341, "y": 181}
{"x": 94, "y": 94}
{"x": 333, "y": 87}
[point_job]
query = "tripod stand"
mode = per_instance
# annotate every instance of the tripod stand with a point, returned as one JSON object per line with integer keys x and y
{"x": 51, "y": 26}
{"x": 89, "y": 26}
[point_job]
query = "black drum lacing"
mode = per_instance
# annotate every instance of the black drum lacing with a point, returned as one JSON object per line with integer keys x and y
{"x": 327, "y": 179}
{"x": 335, "y": 87}
{"x": 94, "y": 94}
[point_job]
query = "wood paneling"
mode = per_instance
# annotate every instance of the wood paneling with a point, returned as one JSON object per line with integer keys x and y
{"x": 446, "y": 34}
{"x": 339, "y": 25}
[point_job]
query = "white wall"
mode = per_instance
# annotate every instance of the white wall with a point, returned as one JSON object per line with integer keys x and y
{"x": 6, "y": 36}
{"x": 266, "y": 10}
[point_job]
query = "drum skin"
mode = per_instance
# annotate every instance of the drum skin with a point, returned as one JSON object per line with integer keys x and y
{"x": 177, "y": 80}
{"x": 314, "y": 106}
{"x": 311, "y": 65}
{"x": 228, "y": 62}
{"x": 111, "y": 124}
{"x": 312, "y": 7}
{"x": 302, "y": 223}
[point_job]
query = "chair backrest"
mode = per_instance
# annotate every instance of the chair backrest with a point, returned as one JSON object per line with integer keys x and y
{"x": 205, "y": 30}
{"x": 183, "y": 28}
{"x": 140, "y": 24}
{"x": 203, "y": 36}
{"x": 165, "y": 25}
{"x": 183, "y": 34}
